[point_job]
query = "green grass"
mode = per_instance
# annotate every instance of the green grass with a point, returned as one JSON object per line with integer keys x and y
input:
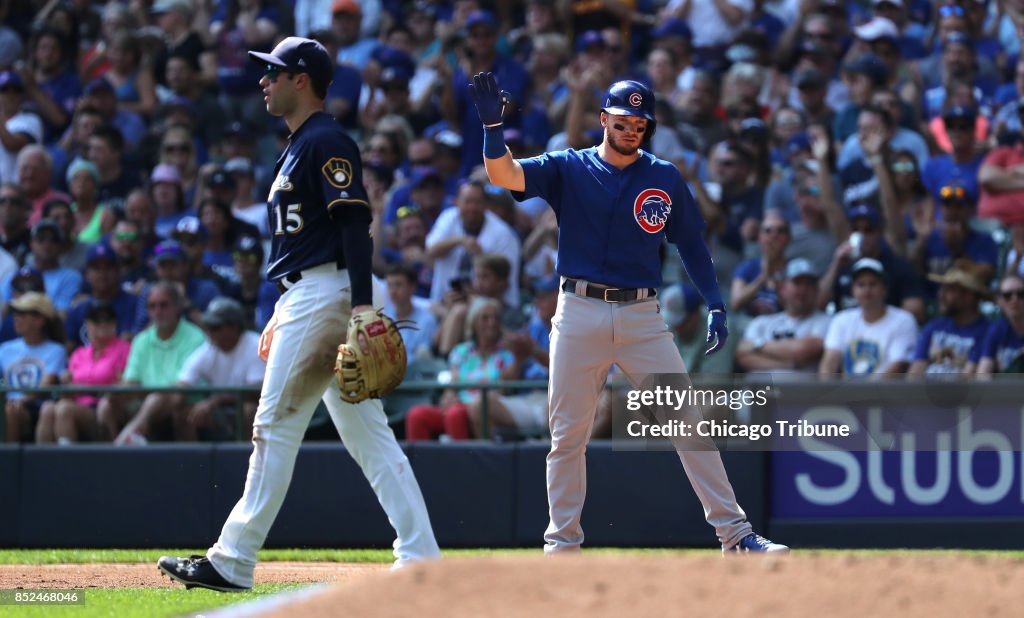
{"x": 141, "y": 603}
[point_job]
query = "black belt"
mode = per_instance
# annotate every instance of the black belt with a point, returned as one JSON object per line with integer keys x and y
{"x": 291, "y": 278}
{"x": 609, "y": 295}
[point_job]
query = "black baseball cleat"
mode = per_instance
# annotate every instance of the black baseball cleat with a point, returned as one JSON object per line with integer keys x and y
{"x": 196, "y": 572}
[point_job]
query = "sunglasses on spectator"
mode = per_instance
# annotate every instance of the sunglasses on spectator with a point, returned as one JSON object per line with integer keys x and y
{"x": 408, "y": 211}
{"x": 903, "y": 167}
{"x": 728, "y": 162}
{"x": 22, "y": 288}
{"x": 190, "y": 240}
{"x": 953, "y": 193}
{"x": 46, "y": 238}
{"x": 158, "y": 305}
{"x": 951, "y": 10}
{"x": 775, "y": 229}
{"x": 126, "y": 236}
{"x": 1012, "y": 294}
{"x": 815, "y": 190}
{"x": 959, "y": 125}
{"x": 252, "y": 258}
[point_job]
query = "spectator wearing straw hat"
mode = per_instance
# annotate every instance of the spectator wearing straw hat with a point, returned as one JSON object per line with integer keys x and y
{"x": 36, "y": 358}
{"x": 951, "y": 343}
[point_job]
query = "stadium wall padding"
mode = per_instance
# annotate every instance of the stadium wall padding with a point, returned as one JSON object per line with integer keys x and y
{"x": 478, "y": 495}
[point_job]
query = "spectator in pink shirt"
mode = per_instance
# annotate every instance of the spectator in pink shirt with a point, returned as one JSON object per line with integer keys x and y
{"x": 73, "y": 418}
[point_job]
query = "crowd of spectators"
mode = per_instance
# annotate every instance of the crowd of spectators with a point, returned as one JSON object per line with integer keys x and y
{"x": 859, "y": 166}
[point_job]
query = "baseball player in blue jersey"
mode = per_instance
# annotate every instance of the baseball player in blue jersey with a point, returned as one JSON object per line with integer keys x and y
{"x": 614, "y": 203}
{"x": 320, "y": 259}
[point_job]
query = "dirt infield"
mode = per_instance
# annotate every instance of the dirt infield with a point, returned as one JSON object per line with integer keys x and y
{"x": 839, "y": 586}
{"x": 596, "y": 586}
{"x": 147, "y": 575}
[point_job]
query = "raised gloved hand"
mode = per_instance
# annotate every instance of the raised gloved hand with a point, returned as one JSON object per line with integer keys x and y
{"x": 490, "y": 101}
{"x": 718, "y": 329}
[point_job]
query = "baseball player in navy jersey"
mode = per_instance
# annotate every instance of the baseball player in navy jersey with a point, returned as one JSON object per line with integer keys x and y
{"x": 320, "y": 259}
{"x": 614, "y": 203}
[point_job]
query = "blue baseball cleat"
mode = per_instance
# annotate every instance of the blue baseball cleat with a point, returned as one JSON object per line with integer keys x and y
{"x": 757, "y": 544}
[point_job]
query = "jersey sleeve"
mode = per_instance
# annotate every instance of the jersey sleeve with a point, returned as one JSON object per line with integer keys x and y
{"x": 836, "y": 338}
{"x": 543, "y": 176}
{"x": 194, "y": 369}
{"x": 685, "y": 218}
{"x": 339, "y": 173}
{"x": 132, "y": 369}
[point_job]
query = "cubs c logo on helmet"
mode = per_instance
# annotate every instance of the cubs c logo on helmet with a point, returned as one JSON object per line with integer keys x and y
{"x": 651, "y": 209}
{"x": 635, "y": 99}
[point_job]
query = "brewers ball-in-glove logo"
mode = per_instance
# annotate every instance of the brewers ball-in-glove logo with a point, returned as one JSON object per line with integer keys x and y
{"x": 338, "y": 172}
{"x": 651, "y": 209}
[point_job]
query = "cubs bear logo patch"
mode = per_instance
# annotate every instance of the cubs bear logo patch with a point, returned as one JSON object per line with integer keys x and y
{"x": 651, "y": 210}
{"x": 338, "y": 172}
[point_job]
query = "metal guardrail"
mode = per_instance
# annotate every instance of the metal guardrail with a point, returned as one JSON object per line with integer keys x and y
{"x": 939, "y": 388}
{"x": 56, "y": 391}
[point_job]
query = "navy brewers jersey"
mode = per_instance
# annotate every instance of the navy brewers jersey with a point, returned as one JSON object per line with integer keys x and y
{"x": 319, "y": 172}
{"x": 611, "y": 222}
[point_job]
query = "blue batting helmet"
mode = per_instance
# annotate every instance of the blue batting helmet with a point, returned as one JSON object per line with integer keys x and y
{"x": 629, "y": 98}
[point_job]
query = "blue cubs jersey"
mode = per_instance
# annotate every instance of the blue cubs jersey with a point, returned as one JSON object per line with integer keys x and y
{"x": 318, "y": 172}
{"x": 611, "y": 222}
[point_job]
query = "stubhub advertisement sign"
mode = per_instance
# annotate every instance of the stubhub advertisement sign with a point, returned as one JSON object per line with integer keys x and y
{"x": 923, "y": 463}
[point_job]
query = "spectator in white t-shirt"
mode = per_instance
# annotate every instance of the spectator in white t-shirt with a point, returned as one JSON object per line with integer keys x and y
{"x": 793, "y": 339}
{"x": 872, "y": 338}
{"x": 18, "y": 128}
{"x": 229, "y": 357}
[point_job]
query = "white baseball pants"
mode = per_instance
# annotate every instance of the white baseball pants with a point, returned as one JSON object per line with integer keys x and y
{"x": 312, "y": 318}
{"x": 587, "y": 336}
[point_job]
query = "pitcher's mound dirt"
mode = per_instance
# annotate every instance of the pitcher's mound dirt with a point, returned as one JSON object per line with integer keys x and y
{"x": 837, "y": 586}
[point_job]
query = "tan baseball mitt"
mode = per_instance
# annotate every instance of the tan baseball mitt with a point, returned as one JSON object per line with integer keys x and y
{"x": 375, "y": 374}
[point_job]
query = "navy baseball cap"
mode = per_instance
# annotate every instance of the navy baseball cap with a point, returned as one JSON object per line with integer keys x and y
{"x": 299, "y": 55}
{"x": 799, "y": 142}
{"x": 673, "y": 27}
{"x": 100, "y": 252}
{"x": 9, "y": 80}
{"x": 100, "y": 84}
{"x": 27, "y": 272}
{"x": 249, "y": 245}
{"x": 960, "y": 111}
{"x": 547, "y": 284}
{"x": 872, "y": 66}
{"x": 864, "y": 211}
{"x": 421, "y": 175}
{"x": 168, "y": 250}
{"x": 188, "y": 226}
{"x": 588, "y": 39}
{"x": 481, "y": 17}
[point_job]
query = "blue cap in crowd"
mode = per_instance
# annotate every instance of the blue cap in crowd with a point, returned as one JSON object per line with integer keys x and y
{"x": 100, "y": 84}
{"x": 797, "y": 143}
{"x": 547, "y": 284}
{"x": 872, "y": 66}
{"x": 168, "y": 250}
{"x": 9, "y": 80}
{"x": 421, "y": 175}
{"x": 299, "y": 55}
{"x": 100, "y": 252}
{"x": 588, "y": 39}
{"x": 673, "y": 27}
{"x": 482, "y": 18}
{"x": 862, "y": 210}
{"x": 249, "y": 245}
{"x": 189, "y": 226}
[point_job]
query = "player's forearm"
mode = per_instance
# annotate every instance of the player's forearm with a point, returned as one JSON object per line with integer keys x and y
{"x": 801, "y": 351}
{"x": 444, "y": 247}
{"x": 994, "y": 179}
{"x": 830, "y": 363}
{"x": 505, "y": 172}
{"x": 758, "y": 361}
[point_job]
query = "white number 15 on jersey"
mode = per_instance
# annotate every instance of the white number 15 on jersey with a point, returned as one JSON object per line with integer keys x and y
{"x": 291, "y": 222}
